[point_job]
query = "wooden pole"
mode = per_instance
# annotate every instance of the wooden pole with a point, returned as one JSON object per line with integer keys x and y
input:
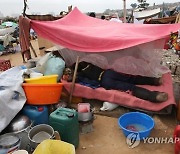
{"x": 25, "y": 6}
{"x": 73, "y": 80}
{"x": 124, "y": 2}
{"x": 33, "y": 50}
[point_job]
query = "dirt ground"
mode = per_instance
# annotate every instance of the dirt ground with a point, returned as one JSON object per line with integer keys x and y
{"x": 108, "y": 138}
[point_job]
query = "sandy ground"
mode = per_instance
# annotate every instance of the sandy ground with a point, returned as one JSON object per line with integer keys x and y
{"x": 108, "y": 138}
{"x": 16, "y": 59}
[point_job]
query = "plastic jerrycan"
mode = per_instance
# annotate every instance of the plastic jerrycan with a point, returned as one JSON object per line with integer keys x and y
{"x": 38, "y": 114}
{"x": 65, "y": 121}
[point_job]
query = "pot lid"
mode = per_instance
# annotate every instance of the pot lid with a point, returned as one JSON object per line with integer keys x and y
{"x": 8, "y": 140}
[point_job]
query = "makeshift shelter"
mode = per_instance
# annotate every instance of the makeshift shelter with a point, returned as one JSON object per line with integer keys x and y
{"x": 126, "y": 48}
{"x": 146, "y": 14}
{"x": 166, "y": 20}
{"x": 141, "y": 16}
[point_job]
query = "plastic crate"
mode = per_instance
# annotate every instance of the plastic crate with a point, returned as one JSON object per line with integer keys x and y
{"x": 5, "y": 65}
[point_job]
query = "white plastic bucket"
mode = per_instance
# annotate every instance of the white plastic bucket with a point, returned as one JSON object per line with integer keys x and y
{"x": 35, "y": 75}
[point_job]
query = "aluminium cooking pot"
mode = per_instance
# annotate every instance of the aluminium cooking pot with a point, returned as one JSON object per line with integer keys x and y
{"x": 85, "y": 116}
{"x": 20, "y": 126}
{"x": 40, "y": 133}
{"x": 9, "y": 142}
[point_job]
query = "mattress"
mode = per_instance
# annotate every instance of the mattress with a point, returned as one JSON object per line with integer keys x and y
{"x": 126, "y": 99}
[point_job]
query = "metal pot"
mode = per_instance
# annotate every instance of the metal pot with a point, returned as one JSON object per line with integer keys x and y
{"x": 85, "y": 116}
{"x": 40, "y": 133}
{"x": 9, "y": 143}
{"x": 20, "y": 126}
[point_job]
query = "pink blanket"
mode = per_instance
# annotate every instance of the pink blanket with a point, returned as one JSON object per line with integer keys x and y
{"x": 125, "y": 99}
{"x": 80, "y": 32}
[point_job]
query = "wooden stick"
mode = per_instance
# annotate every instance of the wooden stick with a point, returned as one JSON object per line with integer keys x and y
{"x": 73, "y": 80}
{"x": 33, "y": 50}
{"x": 24, "y": 9}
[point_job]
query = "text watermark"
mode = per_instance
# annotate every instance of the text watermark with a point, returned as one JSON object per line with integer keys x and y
{"x": 133, "y": 140}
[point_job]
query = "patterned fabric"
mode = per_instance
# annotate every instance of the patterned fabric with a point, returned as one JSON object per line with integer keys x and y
{"x": 5, "y": 65}
{"x": 24, "y": 29}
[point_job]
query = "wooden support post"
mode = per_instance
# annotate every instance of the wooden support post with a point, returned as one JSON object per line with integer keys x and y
{"x": 73, "y": 80}
{"x": 33, "y": 50}
{"x": 124, "y": 9}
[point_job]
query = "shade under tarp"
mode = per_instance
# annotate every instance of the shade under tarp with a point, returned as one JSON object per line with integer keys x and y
{"x": 80, "y": 32}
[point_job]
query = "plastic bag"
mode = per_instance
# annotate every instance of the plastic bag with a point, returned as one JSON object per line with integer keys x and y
{"x": 40, "y": 66}
{"x": 54, "y": 146}
{"x": 54, "y": 65}
{"x": 12, "y": 96}
{"x": 108, "y": 106}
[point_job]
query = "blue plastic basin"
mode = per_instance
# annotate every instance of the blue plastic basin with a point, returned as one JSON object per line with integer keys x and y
{"x": 138, "y": 118}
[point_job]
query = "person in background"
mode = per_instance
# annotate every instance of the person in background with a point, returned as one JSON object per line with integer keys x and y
{"x": 103, "y": 17}
{"x": 92, "y": 14}
{"x": 109, "y": 79}
{"x": 69, "y": 8}
{"x": 115, "y": 18}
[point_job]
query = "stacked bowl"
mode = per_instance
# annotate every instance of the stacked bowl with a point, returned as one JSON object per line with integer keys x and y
{"x": 42, "y": 90}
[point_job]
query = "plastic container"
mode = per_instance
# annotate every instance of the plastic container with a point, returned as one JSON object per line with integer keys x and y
{"x": 65, "y": 121}
{"x": 54, "y": 146}
{"x": 136, "y": 118}
{"x": 20, "y": 152}
{"x": 35, "y": 75}
{"x": 38, "y": 114}
{"x": 49, "y": 79}
{"x": 42, "y": 94}
{"x": 83, "y": 107}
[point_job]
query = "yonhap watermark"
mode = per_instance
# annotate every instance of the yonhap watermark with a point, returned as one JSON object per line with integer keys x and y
{"x": 133, "y": 140}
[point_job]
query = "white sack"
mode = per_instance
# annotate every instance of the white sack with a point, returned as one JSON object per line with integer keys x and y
{"x": 12, "y": 96}
{"x": 107, "y": 106}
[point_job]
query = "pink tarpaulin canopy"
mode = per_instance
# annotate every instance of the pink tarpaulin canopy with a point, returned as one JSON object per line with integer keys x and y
{"x": 80, "y": 32}
{"x": 133, "y": 46}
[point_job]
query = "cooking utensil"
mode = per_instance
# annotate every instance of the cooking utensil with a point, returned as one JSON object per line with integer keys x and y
{"x": 20, "y": 126}
{"x": 40, "y": 133}
{"x": 85, "y": 116}
{"x": 9, "y": 143}
{"x": 85, "y": 112}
